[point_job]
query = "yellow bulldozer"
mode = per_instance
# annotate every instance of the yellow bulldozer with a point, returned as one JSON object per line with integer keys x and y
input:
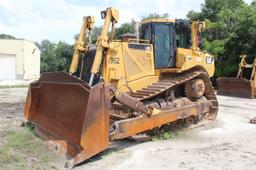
{"x": 119, "y": 88}
{"x": 239, "y": 86}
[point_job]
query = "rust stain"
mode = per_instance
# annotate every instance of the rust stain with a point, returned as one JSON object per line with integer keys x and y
{"x": 239, "y": 87}
{"x": 70, "y": 114}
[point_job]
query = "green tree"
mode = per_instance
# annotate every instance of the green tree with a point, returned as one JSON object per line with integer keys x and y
{"x": 64, "y": 53}
{"x": 194, "y": 16}
{"x": 128, "y": 27}
{"x": 6, "y": 36}
{"x": 230, "y": 29}
{"x": 95, "y": 33}
{"x": 49, "y": 60}
{"x": 253, "y": 5}
{"x": 55, "y": 57}
{"x": 155, "y": 15}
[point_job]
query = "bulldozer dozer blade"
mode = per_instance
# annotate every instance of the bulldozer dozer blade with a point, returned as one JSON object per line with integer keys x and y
{"x": 238, "y": 87}
{"x": 69, "y": 114}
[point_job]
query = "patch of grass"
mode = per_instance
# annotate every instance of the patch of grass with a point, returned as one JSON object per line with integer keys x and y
{"x": 4, "y": 153}
{"x": 168, "y": 135}
{"x": 14, "y": 141}
{"x": 13, "y": 86}
{"x": 22, "y": 150}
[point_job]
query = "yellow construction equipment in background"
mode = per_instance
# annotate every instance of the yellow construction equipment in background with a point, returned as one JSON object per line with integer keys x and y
{"x": 239, "y": 86}
{"x": 124, "y": 88}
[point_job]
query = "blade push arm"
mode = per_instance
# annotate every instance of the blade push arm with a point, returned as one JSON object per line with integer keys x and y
{"x": 88, "y": 22}
{"x": 111, "y": 15}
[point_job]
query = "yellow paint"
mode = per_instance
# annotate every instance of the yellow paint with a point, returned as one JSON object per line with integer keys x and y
{"x": 102, "y": 42}
{"x": 131, "y": 69}
{"x": 196, "y": 28}
{"x": 129, "y": 66}
{"x": 243, "y": 64}
{"x": 164, "y": 20}
{"x": 88, "y": 22}
{"x": 189, "y": 58}
{"x": 138, "y": 84}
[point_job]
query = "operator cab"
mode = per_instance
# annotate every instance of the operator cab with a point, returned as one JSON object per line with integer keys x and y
{"x": 166, "y": 35}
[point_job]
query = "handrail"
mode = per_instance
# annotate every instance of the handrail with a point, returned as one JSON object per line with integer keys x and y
{"x": 138, "y": 41}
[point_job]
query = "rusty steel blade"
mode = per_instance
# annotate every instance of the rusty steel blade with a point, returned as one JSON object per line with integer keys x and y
{"x": 70, "y": 114}
{"x": 238, "y": 87}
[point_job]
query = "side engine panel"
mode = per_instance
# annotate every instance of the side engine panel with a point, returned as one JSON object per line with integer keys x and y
{"x": 130, "y": 66}
{"x": 189, "y": 58}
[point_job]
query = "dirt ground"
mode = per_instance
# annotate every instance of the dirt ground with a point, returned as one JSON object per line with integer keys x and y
{"x": 228, "y": 143}
{"x": 11, "y": 108}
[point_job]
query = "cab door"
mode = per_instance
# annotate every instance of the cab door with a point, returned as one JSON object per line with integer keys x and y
{"x": 164, "y": 45}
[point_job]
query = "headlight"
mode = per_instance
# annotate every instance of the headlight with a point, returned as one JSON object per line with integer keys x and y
{"x": 103, "y": 14}
{"x": 209, "y": 60}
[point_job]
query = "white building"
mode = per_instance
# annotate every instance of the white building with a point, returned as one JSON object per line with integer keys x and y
{"x": 19, "y": 60}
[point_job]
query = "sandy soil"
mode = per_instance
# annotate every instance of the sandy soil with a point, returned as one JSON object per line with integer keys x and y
{"x": 15, "y": 83}
{"x": 228, "y": 143}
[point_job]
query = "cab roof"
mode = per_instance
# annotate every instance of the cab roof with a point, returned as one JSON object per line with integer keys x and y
{"x": 164, "y": 20}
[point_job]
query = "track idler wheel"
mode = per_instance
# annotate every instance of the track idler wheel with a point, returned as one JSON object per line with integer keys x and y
{"x": 195, "y": 89}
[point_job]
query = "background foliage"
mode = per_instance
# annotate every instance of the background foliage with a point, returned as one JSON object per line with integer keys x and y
{"x": 231, "y": 31}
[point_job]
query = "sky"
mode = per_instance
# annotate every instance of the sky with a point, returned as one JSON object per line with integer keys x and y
{"x": 60, "y": 20}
